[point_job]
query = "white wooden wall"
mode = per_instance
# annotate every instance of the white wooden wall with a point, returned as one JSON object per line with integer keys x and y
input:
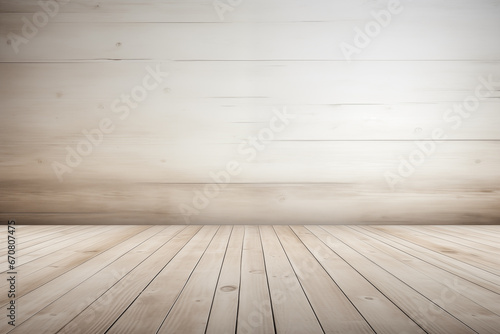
{"x": 354, "y": 123}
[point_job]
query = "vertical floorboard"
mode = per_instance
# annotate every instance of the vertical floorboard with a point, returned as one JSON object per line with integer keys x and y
{"x": 291, "y": 308}
{"x": 442, "y": 291}
{"x": 416, "y": 306}
{"x": 88, "y": 291}
{"x": 196, "y": 298}
{"x": 375, "y": 307}
{"x": 104, "y": 311}
{"x": 454, "y": 284}
{"x": 223, "y": 314}
{"x": 47, "y": 293}
{"x": 148, "y": 311}
{"x": 334, "y": 310}
{"x": 255, "y": 314}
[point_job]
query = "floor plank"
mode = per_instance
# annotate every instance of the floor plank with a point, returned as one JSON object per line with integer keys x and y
{"x": 333, "y": 309}
{"x": 224, "y": 279}
{"x": 454, "y": 282}
{"x": 291, "y": 308}
{"x": 88, "y": 291}
{"x": 442, "y": 290}
{"x": 45, "y": 294}
{"x": 64, "y": 260}
{"x": 365, "y": 297}
{"x": 196, "y": 297}
{"x": 476, "y": 243}
{"x": 54, "y": 251}
{"x": 101, "y": 314}
{"x": 30, "y": 249}
{"x": 462, "y": 253}
{"x": 148, "y": 311}
{"x": 473, "y": 274}
{"x": 416, "y": 306}
{"x": 255, "y": 313}
{"x": 223, "y": 314}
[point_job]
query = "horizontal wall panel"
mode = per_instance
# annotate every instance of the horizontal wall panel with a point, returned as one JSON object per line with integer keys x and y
{"x": 287, "y": 82}
{"x": 121, "y": 203}
{"x": 173, "y": 121}
{"x": 194, "y": 11}
{"x": 404, "y": 39}
{"x": 458, "y": 165}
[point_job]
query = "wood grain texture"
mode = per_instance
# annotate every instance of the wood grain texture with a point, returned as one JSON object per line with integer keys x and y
{"x": 333, "y": 308}
{"x": 216, "y": 83}
{"x": 479, "y": 277}
{"x": 224, "y": 310}
{"x": 269, "y": 279}
{"x": 364, "y": 296}
{"x": 413, "y": 303}
{"x": 291, "y": 309}
{"x": 103, "y": 312}
{"x": 255, "y": 311}
{"x": 256, "y": 11}
{"x": 148, "y": 311}
{"x": 197, "y": 295}
{"x": 87, "y": 292}
{"x": 452, "y": 299}
{"x": 259, "y": 30}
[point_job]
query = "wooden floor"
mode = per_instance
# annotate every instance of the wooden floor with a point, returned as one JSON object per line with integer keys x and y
{"x": 255, "y": 279}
